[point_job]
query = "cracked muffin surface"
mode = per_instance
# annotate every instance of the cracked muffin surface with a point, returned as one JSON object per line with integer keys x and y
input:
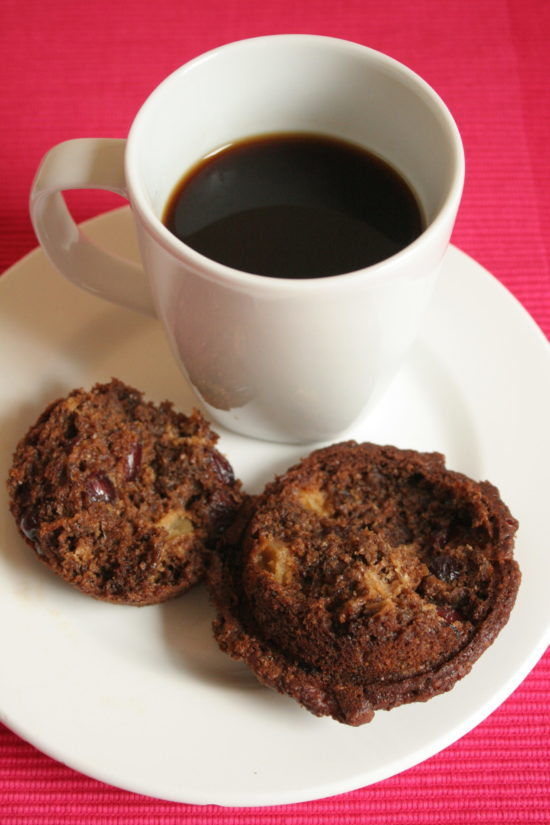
{"x": 365, "y": 577}
{"x": 119, "y": 496}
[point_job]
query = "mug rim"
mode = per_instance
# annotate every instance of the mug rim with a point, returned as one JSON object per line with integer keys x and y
{"x": 240, "y": 278}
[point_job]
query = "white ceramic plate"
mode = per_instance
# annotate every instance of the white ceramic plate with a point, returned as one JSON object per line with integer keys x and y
{"x": 141, "y": 697}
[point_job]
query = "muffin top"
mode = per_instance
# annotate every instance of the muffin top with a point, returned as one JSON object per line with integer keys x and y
{"x": 119, "y": 496}
{"x": 365, "y": 577}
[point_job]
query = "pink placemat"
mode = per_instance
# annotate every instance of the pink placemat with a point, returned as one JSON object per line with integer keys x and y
{"x": 75, "y": 70}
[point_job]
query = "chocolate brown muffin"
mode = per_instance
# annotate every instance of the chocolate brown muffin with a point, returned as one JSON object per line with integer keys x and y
{"x": 365, "y": 577}
{"x": 121, "y": 497}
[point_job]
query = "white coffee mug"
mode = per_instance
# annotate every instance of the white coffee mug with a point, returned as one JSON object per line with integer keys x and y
{"x": 278, "y": 359}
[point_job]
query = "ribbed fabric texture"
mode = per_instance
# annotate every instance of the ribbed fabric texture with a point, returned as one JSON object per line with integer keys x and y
{"x": 77, "y": 70}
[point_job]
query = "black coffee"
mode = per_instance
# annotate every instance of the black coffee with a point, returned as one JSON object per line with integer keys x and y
{"x": 294, "y": 206}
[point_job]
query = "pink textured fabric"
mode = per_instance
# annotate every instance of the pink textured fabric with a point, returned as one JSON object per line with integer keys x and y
{"x": 75, "y": 70}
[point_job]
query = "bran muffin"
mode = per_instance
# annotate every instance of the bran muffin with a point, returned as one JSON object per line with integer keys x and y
{"x": 363, "y": 578}
{"x": 119, "y": 496}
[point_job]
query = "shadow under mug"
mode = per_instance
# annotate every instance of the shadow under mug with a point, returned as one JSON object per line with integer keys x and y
{"x": 277, "y": 359}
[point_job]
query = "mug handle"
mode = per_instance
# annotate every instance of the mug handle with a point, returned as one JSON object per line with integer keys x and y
{"x": 87, "y": 163}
